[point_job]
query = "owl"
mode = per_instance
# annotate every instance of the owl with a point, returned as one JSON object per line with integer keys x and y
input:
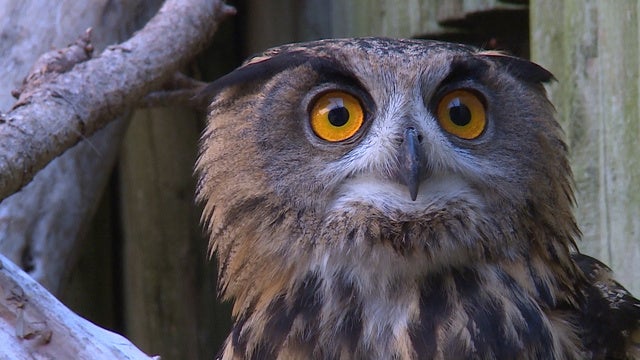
{"x": 375, "y": 198}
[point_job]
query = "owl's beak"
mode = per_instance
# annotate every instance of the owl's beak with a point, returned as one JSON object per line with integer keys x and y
{"x": 411, "y": 162}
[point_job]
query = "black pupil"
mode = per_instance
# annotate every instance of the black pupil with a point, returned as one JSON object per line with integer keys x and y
{"x": 338, "y": 116}
{"x": 459, "y": 114}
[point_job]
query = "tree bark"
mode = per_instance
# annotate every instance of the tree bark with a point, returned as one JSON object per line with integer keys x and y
{"x": 60, "y": 113}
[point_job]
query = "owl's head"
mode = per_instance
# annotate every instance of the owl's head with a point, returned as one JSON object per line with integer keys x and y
{"x": 377, "y": 150}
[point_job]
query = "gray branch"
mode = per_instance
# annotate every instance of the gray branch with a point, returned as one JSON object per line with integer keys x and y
{"x": 73, "y": 105}
{"x": 34, "y": 325}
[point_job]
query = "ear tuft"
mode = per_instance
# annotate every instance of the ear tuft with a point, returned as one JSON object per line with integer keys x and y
{"x": 520, "y": 68}
{"x": 256, "y": 69}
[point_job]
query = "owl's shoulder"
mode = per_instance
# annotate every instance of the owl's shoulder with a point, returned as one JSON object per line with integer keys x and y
{"x": 610, "y": 315}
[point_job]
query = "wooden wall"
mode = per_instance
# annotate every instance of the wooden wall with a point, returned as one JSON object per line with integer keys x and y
{"x": 592, "y": 48}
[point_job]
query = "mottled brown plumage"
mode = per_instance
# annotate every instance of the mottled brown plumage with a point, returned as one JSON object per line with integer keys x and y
{"x": 440, "y": 228}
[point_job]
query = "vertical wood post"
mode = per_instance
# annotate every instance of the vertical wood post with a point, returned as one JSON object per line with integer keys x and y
{"x": 592, "y": 48}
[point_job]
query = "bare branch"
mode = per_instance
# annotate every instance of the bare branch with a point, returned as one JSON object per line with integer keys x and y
{"x": 61, "y": 112}
{"x": 53, "y": 63}
{"x": 34, "y": 324}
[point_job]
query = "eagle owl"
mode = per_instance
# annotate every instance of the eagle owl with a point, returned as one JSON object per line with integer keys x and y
{"x": 400, "y": 199}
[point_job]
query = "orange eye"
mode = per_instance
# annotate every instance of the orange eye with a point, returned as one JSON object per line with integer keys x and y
{"x": 336, "y": 116}
{"x": 462, "y": 114}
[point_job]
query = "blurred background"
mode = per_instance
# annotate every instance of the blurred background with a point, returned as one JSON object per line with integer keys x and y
{"x": 111, "y": 227}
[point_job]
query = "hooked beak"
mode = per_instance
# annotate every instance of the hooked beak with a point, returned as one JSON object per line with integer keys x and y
{"x": 411, "y": 162}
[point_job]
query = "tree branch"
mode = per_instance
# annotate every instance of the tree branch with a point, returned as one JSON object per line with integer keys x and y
{"x": 35, "y": 325}
{"x": 53, "y": 63}
{"x": 72, "y": 106}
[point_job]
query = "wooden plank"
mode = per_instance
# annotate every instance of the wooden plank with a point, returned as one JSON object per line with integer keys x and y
{"x": 344, "y": 21}
{"x": 92, "y": 287}
{"x": 618, "y": 98}
{"x": 455, "y": 11}
{"x": 409, "y": 18}
{"x": 399, "y": 19}
{"x": 163, "y": 249}
{"x": 592, "y": 48}
{"x": 269, "y": 23}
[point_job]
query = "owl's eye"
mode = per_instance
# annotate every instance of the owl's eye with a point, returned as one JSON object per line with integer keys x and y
{"x": 336, "y": 116}
{"x": 461, "y": 113}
